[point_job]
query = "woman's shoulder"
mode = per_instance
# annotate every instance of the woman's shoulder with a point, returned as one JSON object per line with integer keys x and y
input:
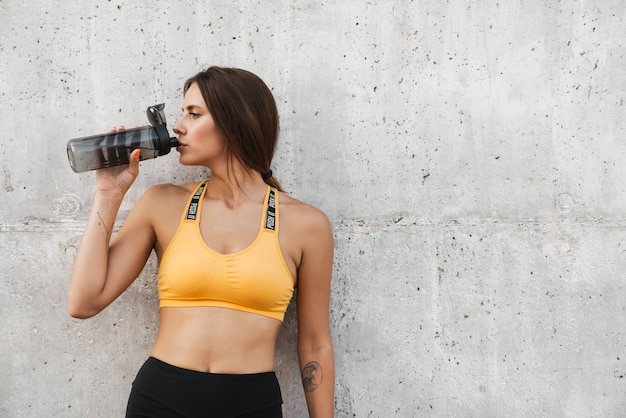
{"x": 166, "y": 195}
{"x": 300, "y": 215}
{"x": 306, "y": 230}
{"x": 165, "y": 202}
{"x": 170, "y": 190}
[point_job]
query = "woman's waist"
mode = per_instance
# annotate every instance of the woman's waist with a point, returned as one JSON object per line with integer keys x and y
{"x": 231, "y": 364}
{"x": 160, "y": 365}
{"x": 216, "y": 340}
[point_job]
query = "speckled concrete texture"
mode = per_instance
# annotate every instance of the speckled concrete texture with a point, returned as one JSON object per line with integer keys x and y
{"x": 469, "y": 154}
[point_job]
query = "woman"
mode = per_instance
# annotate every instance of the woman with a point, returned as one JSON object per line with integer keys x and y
{"x": 231, "y": 252}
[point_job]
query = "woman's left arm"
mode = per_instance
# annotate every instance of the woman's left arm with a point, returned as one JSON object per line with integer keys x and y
{"x": 315, "y": 347}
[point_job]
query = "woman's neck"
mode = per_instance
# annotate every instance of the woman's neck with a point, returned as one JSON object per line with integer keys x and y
{"x": 235, "y": 184}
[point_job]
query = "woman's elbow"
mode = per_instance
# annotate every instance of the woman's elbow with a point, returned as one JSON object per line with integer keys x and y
{"x": 78, "y": 313}
{"x": 79, "y": 310}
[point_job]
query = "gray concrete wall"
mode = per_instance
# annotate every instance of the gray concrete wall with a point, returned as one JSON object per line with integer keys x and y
{"x": 470, "y": 155}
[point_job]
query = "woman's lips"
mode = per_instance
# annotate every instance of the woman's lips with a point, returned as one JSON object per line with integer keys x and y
{"x": 180, "y": 146}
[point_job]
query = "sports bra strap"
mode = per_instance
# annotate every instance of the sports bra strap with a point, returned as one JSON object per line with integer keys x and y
{"x": 195, "y": 200}
{"x": 270, "y": 217}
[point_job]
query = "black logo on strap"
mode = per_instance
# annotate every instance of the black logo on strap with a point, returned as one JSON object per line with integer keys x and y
{"x": 193, "y": 206}
{"x": 270, "y": 219}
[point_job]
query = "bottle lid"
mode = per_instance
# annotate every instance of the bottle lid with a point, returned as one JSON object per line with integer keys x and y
{"x": 156, "y": 116}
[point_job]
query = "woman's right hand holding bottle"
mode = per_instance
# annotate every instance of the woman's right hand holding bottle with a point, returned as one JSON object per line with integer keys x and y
{"x": 117, "y": 180}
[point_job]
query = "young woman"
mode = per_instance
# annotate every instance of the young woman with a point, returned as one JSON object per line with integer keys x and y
{"x": 231, "y": 251}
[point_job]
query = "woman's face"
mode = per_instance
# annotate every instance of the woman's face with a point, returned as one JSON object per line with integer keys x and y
{"x": 200, "y": 140}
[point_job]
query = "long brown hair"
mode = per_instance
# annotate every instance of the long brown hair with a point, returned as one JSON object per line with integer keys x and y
{"x": 244, "y": 110}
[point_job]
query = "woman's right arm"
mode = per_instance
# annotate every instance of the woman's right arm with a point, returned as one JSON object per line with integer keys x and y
{"x": 104, "y": 269}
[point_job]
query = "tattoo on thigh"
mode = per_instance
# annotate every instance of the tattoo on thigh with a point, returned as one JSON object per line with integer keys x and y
{"x": 311, "y": 376}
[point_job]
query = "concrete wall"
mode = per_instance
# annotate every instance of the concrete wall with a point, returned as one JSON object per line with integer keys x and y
{"x": 470, "y": 155}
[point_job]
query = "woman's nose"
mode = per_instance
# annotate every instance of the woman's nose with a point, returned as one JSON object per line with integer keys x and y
{"x": 177, "y": 128}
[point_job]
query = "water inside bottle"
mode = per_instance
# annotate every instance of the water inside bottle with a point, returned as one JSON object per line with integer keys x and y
{"x": 101, "y": 151}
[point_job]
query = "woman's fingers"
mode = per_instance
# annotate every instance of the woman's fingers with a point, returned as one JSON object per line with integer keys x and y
{"x": 133, "y": 165}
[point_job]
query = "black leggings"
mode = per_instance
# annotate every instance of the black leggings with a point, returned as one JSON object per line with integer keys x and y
{"x": 161, "y": 390}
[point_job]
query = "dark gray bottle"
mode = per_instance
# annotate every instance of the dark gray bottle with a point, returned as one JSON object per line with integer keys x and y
{"x": 114, "y": 148}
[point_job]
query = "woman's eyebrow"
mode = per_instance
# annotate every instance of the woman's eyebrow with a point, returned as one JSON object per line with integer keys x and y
{"x": 191, "y": 107}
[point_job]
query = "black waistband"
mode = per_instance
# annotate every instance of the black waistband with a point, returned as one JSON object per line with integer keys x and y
{"x": 161, "y": 389}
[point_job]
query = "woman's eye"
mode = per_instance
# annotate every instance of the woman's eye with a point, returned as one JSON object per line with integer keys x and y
{"x": 193, "y": 115}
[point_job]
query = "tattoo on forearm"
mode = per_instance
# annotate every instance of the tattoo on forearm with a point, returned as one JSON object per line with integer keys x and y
{"x": 102, "y": 223}
{"x": 312, "y": 376}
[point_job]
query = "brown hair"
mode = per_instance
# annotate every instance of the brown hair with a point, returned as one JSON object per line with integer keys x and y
{"x": 245, "y": 112}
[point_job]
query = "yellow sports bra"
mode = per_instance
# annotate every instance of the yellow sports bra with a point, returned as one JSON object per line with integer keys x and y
{"x": 254, "y": 280}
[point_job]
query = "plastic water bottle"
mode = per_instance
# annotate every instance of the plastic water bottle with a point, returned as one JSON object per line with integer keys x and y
{"x": 114, "y": 148}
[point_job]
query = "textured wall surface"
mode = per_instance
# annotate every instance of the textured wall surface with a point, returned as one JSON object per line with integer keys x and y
{"x": 470, "y": 155}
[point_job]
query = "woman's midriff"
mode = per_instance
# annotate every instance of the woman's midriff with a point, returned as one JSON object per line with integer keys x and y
{"x": 216, "y": 340}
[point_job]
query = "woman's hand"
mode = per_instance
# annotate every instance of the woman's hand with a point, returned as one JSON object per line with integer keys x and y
{"x": 117, "y": 180}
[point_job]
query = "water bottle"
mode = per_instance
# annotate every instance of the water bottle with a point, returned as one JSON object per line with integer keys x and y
{"x": 114, "y": 148}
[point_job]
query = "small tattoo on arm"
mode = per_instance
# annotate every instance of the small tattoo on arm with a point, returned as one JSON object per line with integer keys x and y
{"x": 311, "y": 376}
{"x": 103, "y": 224}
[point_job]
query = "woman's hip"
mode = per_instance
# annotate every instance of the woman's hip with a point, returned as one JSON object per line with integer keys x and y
{"x": 176, "y": 392}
